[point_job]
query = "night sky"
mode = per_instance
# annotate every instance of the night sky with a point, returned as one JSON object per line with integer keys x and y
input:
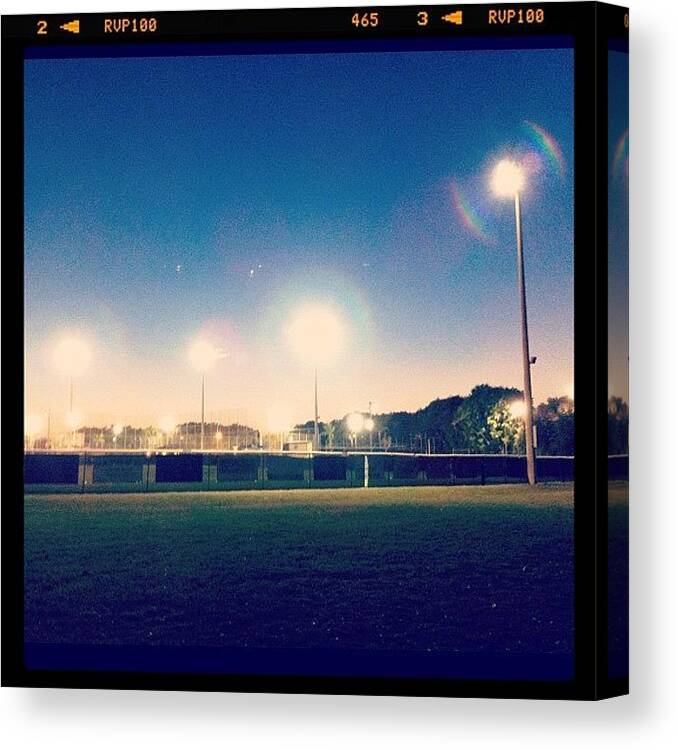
{"x": 170, "y": 198}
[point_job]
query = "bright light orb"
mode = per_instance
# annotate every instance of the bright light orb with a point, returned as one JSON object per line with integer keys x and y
{"x": 517, "y": 409}
{"x": 316, "y": 333}
{"x": 279, "y": 418}
{"x": 355, "y": 423}
{"x": 71, "y": 357}
{"x": 167, "y": 424}
{"x": 73, "y": 420}
{"x": 507, "y": 179}
{"x": 369, "y": 424}
{"x": 34, "y": 424}
{"x": 117, "y": 429}
{"x": 203, "y": 355}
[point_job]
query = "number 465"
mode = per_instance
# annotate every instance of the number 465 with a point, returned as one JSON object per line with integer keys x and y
{"x": 365, "y": 20}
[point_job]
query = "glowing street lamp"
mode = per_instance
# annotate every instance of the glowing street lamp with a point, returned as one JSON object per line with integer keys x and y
{"x": 356, "y": 424}
{"x": 316, "y": 334}
{"x": 507, "y": 181}
{"x": 517, "y": 409}
{"x": 203, "y": 355}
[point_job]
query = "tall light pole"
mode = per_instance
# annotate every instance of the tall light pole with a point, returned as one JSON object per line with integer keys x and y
{"x": 316, "y": 429}
{"x": 508, "y": 180}
{"x": 316, "y": 333}
{"x": 72, "y": 357}
{"x": 202, "y": 413}
{"x": 203, "y": 355}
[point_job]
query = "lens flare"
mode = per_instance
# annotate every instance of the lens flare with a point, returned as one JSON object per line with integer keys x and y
{"x": 467, "y": 216}
{"x": 203, "y": 354}
{"x": 621, "y": 155}
{"x": 71, "y": 356}
{"x": 508, "y": 179}
{"x": 316, "y": 332}
{"x": 517, "y": 409}
{"x": 355, "y": 423}
{"x": 547, "y": 145}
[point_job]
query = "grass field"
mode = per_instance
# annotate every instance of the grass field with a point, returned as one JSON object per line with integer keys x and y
{"x": 470, "y": 569}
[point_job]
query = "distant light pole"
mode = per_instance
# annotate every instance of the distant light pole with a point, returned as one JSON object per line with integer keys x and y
{"x": 508, "y": 180}
{"x": 203, "y": 355}
{"x": 316, "y": 333}
{"x": 316, "y": 428}
{"x": 72, "y": 357}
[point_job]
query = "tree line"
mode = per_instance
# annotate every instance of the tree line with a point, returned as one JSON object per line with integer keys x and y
{"x": 485, "y": 421}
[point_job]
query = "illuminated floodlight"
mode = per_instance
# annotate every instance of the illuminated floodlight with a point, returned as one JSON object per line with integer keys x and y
{"x": 219, "y": 436}
{"x": 507, "y": 179}
{"x": 117, "y": 429}
{"x": 355, "y": 423}
{"x": 316, "y": 333}
{"x": 167, "y": 424}
{"x": 368, "y": 424}
{"x": 73, "y": 420}
{"x": 517, "y": 409}
{"x": 71, "y": 357}
{"x": 203, "y": 355}
{"x": 34, "y": 424}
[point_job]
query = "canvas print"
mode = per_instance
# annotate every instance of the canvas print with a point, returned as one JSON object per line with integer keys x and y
{"x": 618, "y": 359}
{"x": 299, "y": 363}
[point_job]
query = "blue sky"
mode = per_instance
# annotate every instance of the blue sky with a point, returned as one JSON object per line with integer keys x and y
{"x": 175, "y": 197}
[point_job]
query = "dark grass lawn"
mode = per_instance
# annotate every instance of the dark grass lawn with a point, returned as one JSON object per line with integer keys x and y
{"x": 460, "y": 569}
{"x": 618, "y": 578}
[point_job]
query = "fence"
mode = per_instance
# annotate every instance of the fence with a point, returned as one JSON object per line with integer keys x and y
{"x": 166, "y": 471}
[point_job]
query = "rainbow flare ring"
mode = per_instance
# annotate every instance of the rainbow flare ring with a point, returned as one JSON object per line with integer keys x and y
{"x": 547, "y": 145}
{"x": 467, "y": 215}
